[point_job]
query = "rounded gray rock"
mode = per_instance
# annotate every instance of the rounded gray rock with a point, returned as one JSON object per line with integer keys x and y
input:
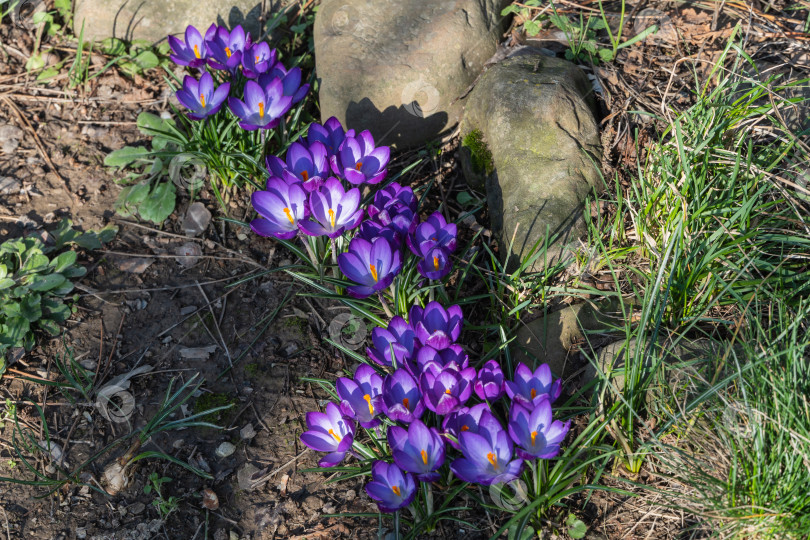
{"x": 399, "y": 67}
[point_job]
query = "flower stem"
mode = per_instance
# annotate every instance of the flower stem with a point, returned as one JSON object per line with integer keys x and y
{"x": 396, "y": 525}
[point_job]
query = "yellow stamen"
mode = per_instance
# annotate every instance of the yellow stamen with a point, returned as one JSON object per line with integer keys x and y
{"x": 534, "y": 393}
{"x": 396, "y": 491}
{"x": 358, "y": 166}
{"x": 447, "y": 391}
{"x": 465, "y": 428}
{"x": 370, "y": 406}
{"x": 332, "y": 217}
{"x": 424, "y": 457}
{"x": 305, "y": 176}
{"x": 228, "y": 52}
{"x": 202, "y": 99}
{"x": 257, "y": 58}
{"x": 335, "y": 435}
{"x": 261, "y": 109}
{"x": 493, "y": 459}
{"x": 289, "y": 215}
{"x": 407, "y": 403}
{"x": 373, "y": 272}
{"x": 534, "y": 436}
{"x": 436, "y": 263}
{"x": 197, "y": 51}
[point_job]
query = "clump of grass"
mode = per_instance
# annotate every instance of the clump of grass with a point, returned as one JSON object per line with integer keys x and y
{"x": 212, "y": 400}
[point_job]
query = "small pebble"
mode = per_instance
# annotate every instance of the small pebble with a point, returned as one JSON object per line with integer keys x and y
{"x": 247, "y": 432}
{"x": 225, "y": 449}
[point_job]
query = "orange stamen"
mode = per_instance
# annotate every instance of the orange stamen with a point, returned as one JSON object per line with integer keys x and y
{"x": 305, "y": 176}
{"x": 257, "y": 58}
{"x": 493, "y": 459}
{"x": 407, "y": 403}
{"x": 261, "y": 109}
{"x": 197, "y": 51}
{"x": 534, "y": 393}
{"x": 202, "y": 99}
{"x": 373, "y": 272}
{"x": 396, "y": 491}
{"x": 534, "y": 436}
{"x": 447, "y": 391}
{"x": 289, "y": 215}
{"x": 436, "y": 263}
{"x": 424, "y": 457}
{"x": 335, "y": 435}
{"x": 358, "y": 166}
{"x": 370, "y": 406}
{"x": 228, "y": 52}
{"x": 465, "y": 428}
{"x": 332, "y": 217}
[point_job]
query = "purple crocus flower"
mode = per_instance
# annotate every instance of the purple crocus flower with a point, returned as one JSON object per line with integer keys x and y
{"x": 446, "y": 389}
{"x": 290, "y": 80}
{"x": 310, "y": 166}
{"x": 390, "y": 488}
{"x": 258, "y": 59}
{"x": 402, "y": 399}
{"x": 435, "y": 231}
{"x": 359, "y": 161}
{"x": 395, "y": 343}
{"x": 489, "y": 384}
{"x": 281, "y": 208}
{"x": 361, "y": 398}
{"x": 475, "y": 419}
{"x": 225, "y": 48}
{"x": 262, "y": 108}
{"x": 534, "y": 432}
{"x": 329, "y": 432}
{"x": 334, "y": 210}
{"x": 419, "y": 450}
{"x": 436, "y": 326}
{"x": 372, "y": 265}
{"x": 331, "y": 134}
{"x": 436, "y": 263}
{"x": 371, "y": 230}
{"x": 487, "y": 458}
{"x": 427, "y": 357}
{"x": 529, "y": 388}
{"x": 192, "y": 52}
{"x": 200, "y": 97}
{"x": 399, "y": 217}
{"x": 392, "y": 194}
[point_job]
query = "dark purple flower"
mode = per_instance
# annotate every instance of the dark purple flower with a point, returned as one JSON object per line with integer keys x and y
{"x": 390, "y": 195}
{"x": 331, "y": 134}
{"x": 419, "y": 450}
{"x": 446, "y": 389}
{"x": 359, "y": 161}
{"x": 536, "y": 435}
{"x": 487, "y": 458}
{"x": 372, "y": 265}
{"x": 435, "y": 326}
{"x": 475, "y": 419}
{"x": 427, "y": 356}
{"x": 371, "y": 230}
{"x": 436, "y": 263}
{"x": 490, "y": 384}
{"x": 310, "y": 166}
{"x": 402, "y": 399}
{"x": 192, "y": 52}
{"x": 200, "y": 97}
{"x": 334, "y": 210}
{"x": 435, "y": 231}
{"x": 281, "y": 208}
{"x": 390, "y": 488}
{"x": 225, "y": 48}
{"x": 258, "y": 59}
{"x": 399, "y": 217}
{"x": 262, "y": 108}
{"x": 290, "y": 80}
{"x": 530, "y": 388}
{"x": 361, "y": 398}
{"x": 397, "y": 342}
{"x": 329, "y": 432}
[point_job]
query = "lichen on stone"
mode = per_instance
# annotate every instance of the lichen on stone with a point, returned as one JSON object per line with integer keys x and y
{"x": 479, "y": 152}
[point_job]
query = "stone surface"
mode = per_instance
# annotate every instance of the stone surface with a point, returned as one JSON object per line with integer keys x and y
{"x": 398, "y": 67}
{"x": 153, "y": 20}
{"x": 552, "y": 338}
{"x": 196, "y": 219}
{"x": 535, "y": 116}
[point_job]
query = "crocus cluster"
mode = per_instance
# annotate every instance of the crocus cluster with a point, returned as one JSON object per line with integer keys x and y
{"x": 437, "y": 410}
{"x": 270, "y": 90}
